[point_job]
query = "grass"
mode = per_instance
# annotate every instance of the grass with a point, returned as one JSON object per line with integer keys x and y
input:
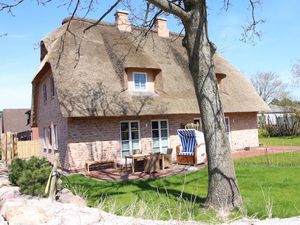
{"x": 280, "y": 141}
{"x": 269, "y": 186}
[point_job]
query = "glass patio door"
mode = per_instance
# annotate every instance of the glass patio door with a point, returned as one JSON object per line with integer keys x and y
{"x": 130, "y": 137}
{"x": 160, "y": 142}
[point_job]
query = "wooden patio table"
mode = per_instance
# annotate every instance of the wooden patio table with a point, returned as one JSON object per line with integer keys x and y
{"x": 140, "y": 157}
{"x": 134, "y": 158}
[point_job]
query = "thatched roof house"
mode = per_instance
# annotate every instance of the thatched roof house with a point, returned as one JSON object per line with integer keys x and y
{"x": 91, "y": 76}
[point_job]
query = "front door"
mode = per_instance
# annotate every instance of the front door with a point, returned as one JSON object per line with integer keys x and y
{"x": 130, "y": 137}
{"x": 160, "y": 142}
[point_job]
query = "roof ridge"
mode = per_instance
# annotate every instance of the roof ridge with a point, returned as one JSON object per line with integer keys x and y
{"x": 93, "y": 21}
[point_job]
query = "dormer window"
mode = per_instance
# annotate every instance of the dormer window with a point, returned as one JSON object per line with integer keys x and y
{"x": 140, "y": 81}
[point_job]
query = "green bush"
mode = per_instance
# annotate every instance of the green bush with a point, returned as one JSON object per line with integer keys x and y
{"x": 30, "y": 175}
{"x": 15, "y": 170}
{"x": 263, "y": 133}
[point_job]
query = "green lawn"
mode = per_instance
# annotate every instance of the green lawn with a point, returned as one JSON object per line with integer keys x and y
{"x": 280, "y": 141}
{"x": 267, "y": 183}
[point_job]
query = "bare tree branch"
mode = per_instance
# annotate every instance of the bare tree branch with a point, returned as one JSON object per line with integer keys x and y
{"x": 104, "y": 15}
{"x": 250, "y": 31}
{"x": 3, "y": 35}
{"x": 269, "y": 86}
{"x": 73, "y": 14}
{"x": 226, "y": 4}
{"x": 8, "y": 7}
{"x": 170, "y": 7}
{"x": 296, "y": 74}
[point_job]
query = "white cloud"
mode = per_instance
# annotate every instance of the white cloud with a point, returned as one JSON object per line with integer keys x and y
{"x": 18, "y": 36}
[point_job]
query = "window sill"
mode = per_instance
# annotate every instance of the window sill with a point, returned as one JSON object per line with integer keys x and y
{"x": 143, "y": 93}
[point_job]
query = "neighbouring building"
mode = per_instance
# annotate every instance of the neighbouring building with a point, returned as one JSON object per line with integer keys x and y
{"x": 17, "y": 121}
{"x": 97, "y": 96}
{"x": 277, "y": 116}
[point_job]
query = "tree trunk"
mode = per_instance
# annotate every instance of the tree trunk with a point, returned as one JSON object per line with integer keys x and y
{"x": 223, "y": 191}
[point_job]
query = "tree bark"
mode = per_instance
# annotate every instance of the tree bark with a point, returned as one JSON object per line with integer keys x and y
{"x": 223, "y": 191}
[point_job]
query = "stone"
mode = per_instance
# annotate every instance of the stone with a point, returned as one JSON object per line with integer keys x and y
{"x": 8, "y": 192}
{"x": 4, "y": 180}
{"x": 27, "y": 214}
{"x": 66, "y": 196}
{"x": 2, "y": 221}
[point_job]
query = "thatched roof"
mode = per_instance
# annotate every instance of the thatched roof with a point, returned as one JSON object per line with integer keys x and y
{"x": 89, "y": 71}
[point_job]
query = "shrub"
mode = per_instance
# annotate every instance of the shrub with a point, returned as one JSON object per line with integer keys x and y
{"x": 30, "y": 175}
{"x": 263, "y": 133}
{"x": 15, "y": 170}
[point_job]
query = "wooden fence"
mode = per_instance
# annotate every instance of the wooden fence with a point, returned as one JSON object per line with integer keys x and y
{"x": 11, "y": 148}
{"x": 26, "y": 149}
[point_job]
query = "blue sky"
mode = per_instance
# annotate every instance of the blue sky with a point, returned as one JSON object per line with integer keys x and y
{"x": 277, "y": 51}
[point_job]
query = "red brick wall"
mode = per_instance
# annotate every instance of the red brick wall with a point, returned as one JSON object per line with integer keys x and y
{"x": 49, "y": 113}
{"x": 99, "y": 138}
{"x": 35, "y": 133}
{"x": 244, "y": 131}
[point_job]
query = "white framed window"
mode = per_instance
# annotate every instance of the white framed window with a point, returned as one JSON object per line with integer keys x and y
{"x": 140, "y": 81}
{"x": 45, "y": 138}
{"x": 130, "y": 137}
{"x": 160, "y": 135}
{"x": 52, "y": 87}
{"x": 50, "y": 136}
{"x": 45, "y": 92}
{"x": 227, "y": 124}
{"x": 55, "y": 141}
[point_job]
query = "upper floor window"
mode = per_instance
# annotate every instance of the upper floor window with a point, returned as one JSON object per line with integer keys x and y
{"x": 140, "y": 81}
{"x": 52, "y": 86}
{"x": 45, "y": 92}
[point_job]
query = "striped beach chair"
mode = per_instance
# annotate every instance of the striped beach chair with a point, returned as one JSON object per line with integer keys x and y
{"x": 191, "y": 141}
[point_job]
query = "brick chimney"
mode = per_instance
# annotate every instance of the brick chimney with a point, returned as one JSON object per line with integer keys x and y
{"x": 122, "y": 22}
{"x": 161, "y": 27}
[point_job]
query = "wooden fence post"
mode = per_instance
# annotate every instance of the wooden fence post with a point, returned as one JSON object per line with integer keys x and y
{"x": 14, "y": 146}
{"x": 3, "y": 147}
{"x": 52, "y": 191}
{"x": 9, "y": 147}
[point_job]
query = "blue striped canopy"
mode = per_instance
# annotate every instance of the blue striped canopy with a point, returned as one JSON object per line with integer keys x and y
{"x": 188, "y": 141}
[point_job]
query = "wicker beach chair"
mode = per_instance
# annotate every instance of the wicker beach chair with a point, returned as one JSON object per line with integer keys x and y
{"x": 192, "y": 148}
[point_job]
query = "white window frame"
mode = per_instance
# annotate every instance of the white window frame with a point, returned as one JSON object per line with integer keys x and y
{"x": 146, "y": 81}
{"x": 50, "y": 139}
{"x": 55, "y": 135}
{"x": 159, "y": 133}
{"x": 45, "y": 94}
{"x": 45, "y": 135}
{"x": 130, "y": 138}
{"x": 52, "y": 88}
{"x": 229, "y": 128}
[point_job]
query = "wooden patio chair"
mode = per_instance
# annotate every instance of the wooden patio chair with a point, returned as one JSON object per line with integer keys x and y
{"x": 192, "y": 147}
{"x": 168, "y": 158}
{"x": 152, "y": 163}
